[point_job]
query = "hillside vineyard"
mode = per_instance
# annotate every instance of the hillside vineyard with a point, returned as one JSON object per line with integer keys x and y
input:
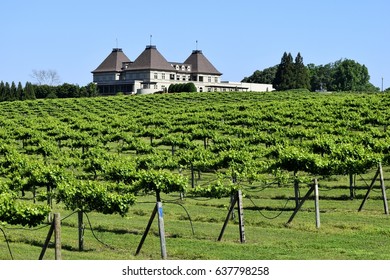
{"x": 109, "y": 143}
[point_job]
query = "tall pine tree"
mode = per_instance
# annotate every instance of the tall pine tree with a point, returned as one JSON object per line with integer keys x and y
{"x": 29, "y": 92}
{"x": 301, "y": 75}
{"x": 7, "y": 92}
{"x": 19, "y": 92}
{"x": 2, "y": 91}
{"x": 284, "y": 76}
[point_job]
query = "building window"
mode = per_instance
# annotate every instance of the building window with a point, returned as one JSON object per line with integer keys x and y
{"x": 178, "y": 77}
{"x": 194, "y": 78}
{"x": 209, "y": 79}
{"x": 216, "y": 79}
{"x": 155, "y": 86}
{"x": 184, "y": 77}
{"x": 155, "y": 76}
{"x": 200, "y": 78}
{"x": 163, "y": 76}
{"x": 172, "y": 76}
{"x": 209, "y": 89}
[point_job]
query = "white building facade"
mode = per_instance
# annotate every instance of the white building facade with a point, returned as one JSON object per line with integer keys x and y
{"x": 150, "y": 72}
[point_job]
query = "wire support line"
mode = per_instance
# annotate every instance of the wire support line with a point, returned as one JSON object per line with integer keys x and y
{"x": 374, "y": 190}
{"x": 269, "y": 218}
{"x": 93, "y": 233}
{"x": 38, "y": 228}
{"x": 188, "y": 215}
{"x": 199, "y": 198}
{"x": 7, "y": 241}
{"x": 250, "y": 189}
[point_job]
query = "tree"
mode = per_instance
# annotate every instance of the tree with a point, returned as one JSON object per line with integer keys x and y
{"x": 321, "y": 76}
{"x": 29, "y": 92}
{"x": 12, "y": 92}
{"x": 92, "y": 90}
{"x": 7, "y": 92}
{"x": 301, "y": 75}
{"x": 67, "y": 90}
{"x": 190, "y": 87}
{"x": 46, "y": 77}
{"x": 351, "y": 76}
{"x": 265, "y": 76}
{"x": 19, "y": 92}
{"x": 284, "y": 73}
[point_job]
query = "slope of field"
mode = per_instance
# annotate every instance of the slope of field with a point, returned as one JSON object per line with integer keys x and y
{"x": 269, "y": 145}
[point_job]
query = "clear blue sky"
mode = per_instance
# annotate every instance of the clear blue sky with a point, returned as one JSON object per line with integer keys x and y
{"x": 238, "y": 37}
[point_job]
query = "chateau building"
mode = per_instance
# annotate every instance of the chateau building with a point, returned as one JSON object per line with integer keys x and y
{"x": 150, "y": 72}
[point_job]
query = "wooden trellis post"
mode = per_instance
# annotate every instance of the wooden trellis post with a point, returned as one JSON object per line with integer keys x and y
{"x": 313, "y": 188}
{"x": 56, "y": 228}
{"x": 80, "y": 229}
{"x": 296, "y": 189}
{"x": 237, "y": 198}
{"x": 157, "y": 210}
{"x": 379, "y": 173}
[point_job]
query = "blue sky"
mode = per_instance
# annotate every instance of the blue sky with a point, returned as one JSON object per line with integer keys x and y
{"x": 238, "y": 37}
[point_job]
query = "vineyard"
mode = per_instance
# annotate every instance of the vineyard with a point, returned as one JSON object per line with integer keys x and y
{"x": 103, "y": 163}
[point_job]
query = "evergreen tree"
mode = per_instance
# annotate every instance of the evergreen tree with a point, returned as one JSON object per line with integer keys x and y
{"x": 29, "y": 92}
{"x": 190, "y": 87}
{"x": 19, "y": 92}
{"x": 284, "y": 77}
{"x": 301, "y": 75}
{"x": 2, "y": 91}
{"x": 7, "y": 92}
{"x": 12, "y": 94}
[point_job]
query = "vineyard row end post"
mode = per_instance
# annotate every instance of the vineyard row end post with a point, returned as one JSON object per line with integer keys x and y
{"x": 379, "y": 173}
{"x": 56, "y": 228}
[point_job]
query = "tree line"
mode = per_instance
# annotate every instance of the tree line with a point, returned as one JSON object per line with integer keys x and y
{"x": 341, "y": 75}
{"x": 13, "y": 91}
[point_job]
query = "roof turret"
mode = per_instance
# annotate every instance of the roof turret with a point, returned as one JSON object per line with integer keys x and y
{"x": 200, "y": 64}
{"x": 151, "y": 59}
{"x": 113, "y": 62}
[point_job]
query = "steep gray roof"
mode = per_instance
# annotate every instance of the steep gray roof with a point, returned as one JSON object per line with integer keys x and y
{"x": 150, "y": 59}
{"x": 200, "y": 64}
{"x": 113, "y": 62}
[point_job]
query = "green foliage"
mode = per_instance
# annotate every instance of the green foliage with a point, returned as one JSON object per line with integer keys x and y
{"x": 182, "y": 87}
{"x": 351, "y": 76}
{"x": 341, "y": 75}
{"x": 291, "y": 74}
{"x": 15, "y": 212}
{"x": 90, "y": 196}
{"x": 159, "y": 181}
{"x": 284, "y": 77}
{"x": 215, "y": 190}
{"x": 265, "y": 76}
{"x": 29, "y": 91}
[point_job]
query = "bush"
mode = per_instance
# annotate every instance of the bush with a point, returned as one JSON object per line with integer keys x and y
{"x": 188, "y": 87}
